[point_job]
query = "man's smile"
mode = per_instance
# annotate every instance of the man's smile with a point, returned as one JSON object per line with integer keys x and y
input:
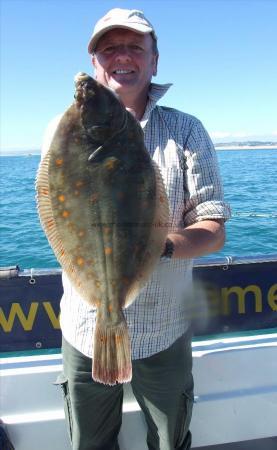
{"x": 122, "y": 71}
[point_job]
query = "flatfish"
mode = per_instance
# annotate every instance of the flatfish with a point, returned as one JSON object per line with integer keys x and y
{"x": 104, "y": 209}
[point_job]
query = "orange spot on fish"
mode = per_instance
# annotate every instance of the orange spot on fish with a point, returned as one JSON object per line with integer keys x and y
{"x": 65, "y": 214}
{"x": 50, "y": 223}
{"x": 107, "y": 230}
{"x": 62, "y": 252}
{"x": 79, "y": 183}
{"x": 44, "y": 191}
{"x": 80, "y": 261}
{"x": 110, "y": 164}
{"x": 108, "y": 250}
{"x": 59, "y": 162}
{"x": 118, "y": 339}
{"x": 110, "y": 308}
{"x": 97, "y": 283}
{"x": 162, "y": 199}
{"x": 81, "y": 233}
{"x": 61, "y": 198}
{"x": 76, "y": 192}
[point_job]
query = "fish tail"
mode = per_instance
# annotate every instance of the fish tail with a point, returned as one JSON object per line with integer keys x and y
{"x": 112, "y": 354}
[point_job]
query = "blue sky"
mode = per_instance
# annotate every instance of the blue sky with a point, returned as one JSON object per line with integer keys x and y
{"x": 220, "y": 55}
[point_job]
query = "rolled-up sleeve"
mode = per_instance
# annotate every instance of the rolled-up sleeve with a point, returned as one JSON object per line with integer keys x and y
{"x": 203, "y": 186}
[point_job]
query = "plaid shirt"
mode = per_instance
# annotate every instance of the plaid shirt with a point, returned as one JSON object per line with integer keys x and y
{"x": 181, "y": 147}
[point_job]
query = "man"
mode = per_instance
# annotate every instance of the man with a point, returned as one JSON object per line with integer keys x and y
{"x": 125, "y": 56}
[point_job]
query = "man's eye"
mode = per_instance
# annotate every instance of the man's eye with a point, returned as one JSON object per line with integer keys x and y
{"x": 108, "y": 50}
{"x": 136, "y": 48}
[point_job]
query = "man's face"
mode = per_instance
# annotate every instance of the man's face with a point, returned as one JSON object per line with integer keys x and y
{"x": 125, "y": 61}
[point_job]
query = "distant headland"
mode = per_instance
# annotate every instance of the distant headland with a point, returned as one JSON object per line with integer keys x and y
{"x": 245, "y": 145}
{"x": 20, "y": 152}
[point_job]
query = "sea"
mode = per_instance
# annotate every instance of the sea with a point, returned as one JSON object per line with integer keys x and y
{"x": 249, "y": 179}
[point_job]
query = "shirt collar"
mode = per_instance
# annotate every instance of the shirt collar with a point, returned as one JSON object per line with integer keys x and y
{"x": 156, "y": 92}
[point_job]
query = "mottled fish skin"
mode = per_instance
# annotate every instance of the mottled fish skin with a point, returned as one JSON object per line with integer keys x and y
{"x": 104, "y": 210}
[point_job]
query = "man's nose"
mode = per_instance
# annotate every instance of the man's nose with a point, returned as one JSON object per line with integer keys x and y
{"x": 123, "y": 53}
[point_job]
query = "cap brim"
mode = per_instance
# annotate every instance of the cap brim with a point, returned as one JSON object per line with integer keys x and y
{"x": 137, "y": 28}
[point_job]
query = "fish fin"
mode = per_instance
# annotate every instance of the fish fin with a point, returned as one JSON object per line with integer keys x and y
{"x": 44, "y": 206}
{"x": 48, "y": 223}
{"x": 156, "y": 241}
{"x": 112, "y": 354}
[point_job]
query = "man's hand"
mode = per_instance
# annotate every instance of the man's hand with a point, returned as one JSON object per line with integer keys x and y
{"x": 206, "y": 236}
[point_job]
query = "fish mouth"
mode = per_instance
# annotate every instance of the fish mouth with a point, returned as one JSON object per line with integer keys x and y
{"x": 81, "y": 77}
{"x": 86, "y": 88}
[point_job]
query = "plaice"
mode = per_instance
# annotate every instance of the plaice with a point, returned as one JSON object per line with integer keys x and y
{"x": 104, "y": 209}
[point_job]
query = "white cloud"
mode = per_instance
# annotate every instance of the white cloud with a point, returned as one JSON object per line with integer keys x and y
{"x": 241, "y": 134}
{"x": 229, "y": 135}
{"x": 219, "y": 134}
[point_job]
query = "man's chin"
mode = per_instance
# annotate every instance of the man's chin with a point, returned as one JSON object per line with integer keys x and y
{"x": 120, "y": 85}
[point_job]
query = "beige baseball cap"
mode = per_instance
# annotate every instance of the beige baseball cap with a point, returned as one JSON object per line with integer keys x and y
{"x": 131, "y": 19}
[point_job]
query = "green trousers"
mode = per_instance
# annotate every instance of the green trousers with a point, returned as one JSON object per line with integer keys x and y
{"x": 162, "y": 385}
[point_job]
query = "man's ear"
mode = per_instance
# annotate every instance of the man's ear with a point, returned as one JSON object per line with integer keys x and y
{"x": 93, "y": 64}
{"x": 155, "y": 70}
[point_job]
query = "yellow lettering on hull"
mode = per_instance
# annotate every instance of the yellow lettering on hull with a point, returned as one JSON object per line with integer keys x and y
{"x": 52, "y": 316}
{"x": 27, "y": 321}
{"x": 240, "y": 294}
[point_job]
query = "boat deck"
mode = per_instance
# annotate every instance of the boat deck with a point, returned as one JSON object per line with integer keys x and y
{"x": 256, "y": 444}
{"x": 235, "y": 399}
